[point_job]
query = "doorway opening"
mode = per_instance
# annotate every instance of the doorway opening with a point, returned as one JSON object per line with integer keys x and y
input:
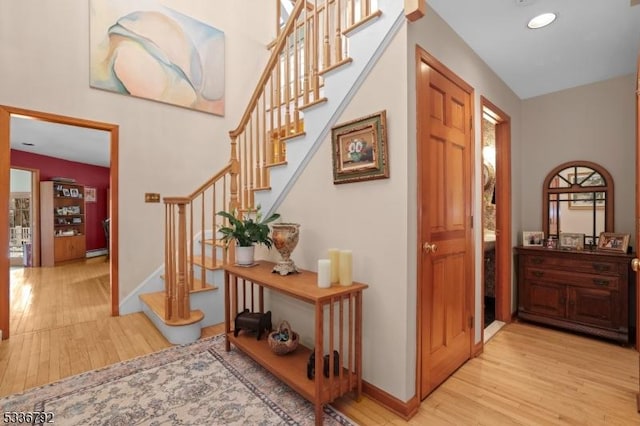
{"x": 6, "y": 114}
{"x": 22, "y": 217}
{"x": 496, "y": 219}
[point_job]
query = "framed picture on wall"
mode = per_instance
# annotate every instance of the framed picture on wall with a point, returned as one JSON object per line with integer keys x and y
{"x": 89, "y": 194}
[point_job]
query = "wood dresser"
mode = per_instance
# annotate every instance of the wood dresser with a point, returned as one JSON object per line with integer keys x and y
{"x": 585, "y": 291}
{"x": 244, "y": 289}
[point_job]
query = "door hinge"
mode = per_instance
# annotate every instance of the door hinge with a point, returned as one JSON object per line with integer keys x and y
{"x": 471, "y": 223}
{"x": 471, "y": 321}
{"x": 470, "y": 123}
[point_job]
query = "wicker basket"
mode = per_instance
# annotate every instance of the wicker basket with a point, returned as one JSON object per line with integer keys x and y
{"x": 283, "y": 347}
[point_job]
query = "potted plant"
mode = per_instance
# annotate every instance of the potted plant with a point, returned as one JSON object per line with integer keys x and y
{"x": 250, "y": 230}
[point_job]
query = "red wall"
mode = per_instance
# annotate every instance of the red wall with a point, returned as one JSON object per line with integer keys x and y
{"x": 84, "y": 174}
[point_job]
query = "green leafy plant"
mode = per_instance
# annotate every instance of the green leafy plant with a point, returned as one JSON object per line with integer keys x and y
{"x": 249, "y": 230}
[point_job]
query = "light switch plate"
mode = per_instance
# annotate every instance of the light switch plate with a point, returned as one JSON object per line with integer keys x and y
{"x": 151, "y": 197}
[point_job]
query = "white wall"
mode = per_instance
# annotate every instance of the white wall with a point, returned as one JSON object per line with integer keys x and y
{"x": 595, "y": 122}
{"x": 369, "y": 218}
{"x": 377, "y": 219}
{"x": 44, "y": 46}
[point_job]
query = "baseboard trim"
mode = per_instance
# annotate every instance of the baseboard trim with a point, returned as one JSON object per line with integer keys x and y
{"x": 406, "y": 410}
{"x": 96, "y": 253}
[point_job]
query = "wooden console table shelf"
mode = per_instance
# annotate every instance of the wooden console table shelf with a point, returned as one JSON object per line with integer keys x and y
{"x": 244, "y": 289}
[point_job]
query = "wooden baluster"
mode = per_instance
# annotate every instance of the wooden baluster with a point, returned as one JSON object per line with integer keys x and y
{"x": 278, "y": 16}
{"x": 287, "y": 87}
{"x": 168, "y": 259}
{"x": 250, "y": 169}
{"x": 278, "y": 105}
{"x": 306, "y": 46}
{"x": 338, "y": 41}
{"x": 326, "y": 44}
{"x": 314, "y": 45}
{"x": 296, "y": 77}
{"x": 245, "y": 171}
{"x": 265, "y": 139}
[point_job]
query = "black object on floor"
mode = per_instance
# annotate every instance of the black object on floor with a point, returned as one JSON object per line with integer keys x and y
{"x": 489, "y": 310}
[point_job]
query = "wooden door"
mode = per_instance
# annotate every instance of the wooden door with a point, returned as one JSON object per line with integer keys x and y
{"x": 445, "y": 280}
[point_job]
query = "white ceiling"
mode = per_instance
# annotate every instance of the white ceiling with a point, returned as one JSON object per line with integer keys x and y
{"x": 592, "y": 40}
{"x": 72, "y": 143}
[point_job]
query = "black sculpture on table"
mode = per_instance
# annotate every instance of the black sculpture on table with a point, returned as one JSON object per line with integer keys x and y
{"x": 253, "y": 321}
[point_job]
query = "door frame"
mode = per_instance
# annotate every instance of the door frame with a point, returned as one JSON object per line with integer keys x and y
{"x": 503, "y": 211}
{"x": 35, "y": 212}
{"x": 422, "y": 55}
{"x": 5, "y": 165}
{"x": 637, "y": 212}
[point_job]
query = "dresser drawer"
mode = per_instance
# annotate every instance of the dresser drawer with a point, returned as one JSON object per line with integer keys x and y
{"x": 582, "y": 265}
{"x": 571, "y": 278}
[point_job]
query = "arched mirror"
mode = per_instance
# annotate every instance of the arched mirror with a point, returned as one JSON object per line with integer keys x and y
{"x": 578, "y": 198}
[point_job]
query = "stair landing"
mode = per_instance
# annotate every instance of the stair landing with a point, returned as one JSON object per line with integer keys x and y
{"x": 175, "y": 331}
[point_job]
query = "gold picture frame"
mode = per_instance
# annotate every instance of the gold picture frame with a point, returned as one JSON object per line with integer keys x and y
{"x": 610, "y": 241}
{"x": 360, "y": 149}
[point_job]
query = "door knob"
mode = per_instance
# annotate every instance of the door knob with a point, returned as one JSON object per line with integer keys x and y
{"x": 430, "y": 248}
{"x": 635, "y": 264}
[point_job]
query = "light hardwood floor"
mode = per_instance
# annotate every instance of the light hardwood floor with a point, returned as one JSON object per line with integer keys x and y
{"x": 527, "y": 375}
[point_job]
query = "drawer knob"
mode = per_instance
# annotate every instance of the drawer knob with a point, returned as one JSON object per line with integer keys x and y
{"x": 601, "y": 267}
{"x": 538, "y": 274}
{"x": 603, "y": 283}
{"x": 537, "y": 260}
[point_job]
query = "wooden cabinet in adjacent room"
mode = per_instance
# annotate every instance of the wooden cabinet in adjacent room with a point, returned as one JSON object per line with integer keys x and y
{"x": 62, "y": 222}
{"x": 584, "y": 291}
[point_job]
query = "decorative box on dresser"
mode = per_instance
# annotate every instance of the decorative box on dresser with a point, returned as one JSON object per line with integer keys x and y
{"x": 586, "y": 291}
{"x": 62, "y": 222}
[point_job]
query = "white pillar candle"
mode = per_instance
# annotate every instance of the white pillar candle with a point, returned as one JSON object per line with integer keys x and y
{"x": 335, "y": 264}
{"x": 324, "y": 273}
{"x": 345, "y": 267}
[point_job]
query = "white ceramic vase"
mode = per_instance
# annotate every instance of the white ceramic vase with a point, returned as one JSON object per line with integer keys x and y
{"x": 245, "y": 255}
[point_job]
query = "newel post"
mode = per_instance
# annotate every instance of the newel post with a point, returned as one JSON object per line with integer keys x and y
{"x": 176, "y": 259}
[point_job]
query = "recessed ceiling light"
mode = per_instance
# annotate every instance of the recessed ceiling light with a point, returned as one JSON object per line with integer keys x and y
{"x": 541, "y": 20}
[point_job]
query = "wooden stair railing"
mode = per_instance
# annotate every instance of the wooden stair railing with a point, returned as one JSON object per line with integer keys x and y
{"x": 311, "y": 43}
{"x": 191, "y": 221}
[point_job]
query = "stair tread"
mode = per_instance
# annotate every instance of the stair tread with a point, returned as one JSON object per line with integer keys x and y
{"x": 199, "y": 287}
{"x": 207, "y": 262}
{"x": 155, "y": 301}
{"x": 216, "y": 243}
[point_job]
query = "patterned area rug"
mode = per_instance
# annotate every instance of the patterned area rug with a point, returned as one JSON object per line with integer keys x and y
{"x": 195, "y": 384}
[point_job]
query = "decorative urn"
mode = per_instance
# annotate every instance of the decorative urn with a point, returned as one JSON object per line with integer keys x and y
{"x": 285, "y": 238}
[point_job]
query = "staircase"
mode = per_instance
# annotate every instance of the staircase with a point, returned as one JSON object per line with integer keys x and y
{"x": 318, "y": 61}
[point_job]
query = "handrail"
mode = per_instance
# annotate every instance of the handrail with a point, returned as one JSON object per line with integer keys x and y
{"x": 224, "y": 171}
{"x": 271, "y": 64}
{"x": 311, "y": 42}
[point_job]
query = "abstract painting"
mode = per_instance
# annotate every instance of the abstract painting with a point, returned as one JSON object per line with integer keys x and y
{"x": 147, "y": 50}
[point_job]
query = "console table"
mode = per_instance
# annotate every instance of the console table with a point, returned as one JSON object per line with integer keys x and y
{"x": 244, "y": 289}
{"x": 585, "y": 291}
